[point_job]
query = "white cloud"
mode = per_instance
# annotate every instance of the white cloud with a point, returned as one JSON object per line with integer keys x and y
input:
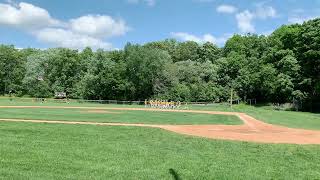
{"x": 209, "y": 38}
{"x": 224, "y": 8}
{"x": 148, "y": 2}
{"x": 66, "y": 38}
{"x": 151, "y": 2}
{"x": 88, "y": 30}
{"x": 99, "y": 26}
{"x": 244, "y": 20}
{"x": 185, "y": 36}
{"x": 200, "y": 39}
{"x": 265, "y": 12}
{"x": 25, "y": 16}
{"x": 12, "y": 2}
{"x": 300, "y": 19}
{"x": 300, "y": 16}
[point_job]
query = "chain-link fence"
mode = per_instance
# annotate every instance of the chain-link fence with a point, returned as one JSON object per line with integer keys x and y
{"x": 84, "y": 101}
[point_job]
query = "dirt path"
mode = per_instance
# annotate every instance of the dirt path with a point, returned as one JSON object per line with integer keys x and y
{"x": 252, "y": 130}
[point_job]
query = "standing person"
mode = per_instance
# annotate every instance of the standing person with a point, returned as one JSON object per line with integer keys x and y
{"x": 151, "y": 103}
{"x": 10, "y": 95}
{"x": 162, "y": 104}
{"x": 145, "y": 103}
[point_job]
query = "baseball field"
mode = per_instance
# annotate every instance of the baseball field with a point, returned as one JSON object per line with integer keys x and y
{"x": 84, "y": 141}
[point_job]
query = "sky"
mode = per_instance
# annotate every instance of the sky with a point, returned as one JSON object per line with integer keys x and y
{"x": 110, "y": 24}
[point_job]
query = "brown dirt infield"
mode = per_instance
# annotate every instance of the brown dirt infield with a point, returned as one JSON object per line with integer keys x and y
{"x": 251, "y": 131}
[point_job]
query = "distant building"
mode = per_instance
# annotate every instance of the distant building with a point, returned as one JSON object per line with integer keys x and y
{"x": 60, "y": 95}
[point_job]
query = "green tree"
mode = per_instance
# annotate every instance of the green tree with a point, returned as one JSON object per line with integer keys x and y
{"x": 34, "y": 82}
{"x": 145, "y": 69}
{"x": 103, "y": 80}
{"x": 186, "y": 51}
{"x": 168, "y": 45}
{"x": 11, "y": 70}
{"x": 250, "y": 45}
{"x": 209, "y": 52}
{"x": 308, "y": 55}
{"x": 63, "y": 70}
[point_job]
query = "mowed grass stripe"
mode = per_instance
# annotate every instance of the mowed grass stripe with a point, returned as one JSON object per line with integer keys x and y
{"x": 117, "y": 116}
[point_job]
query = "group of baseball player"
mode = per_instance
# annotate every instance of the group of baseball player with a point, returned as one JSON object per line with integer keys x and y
{"x": 162, "y": 104}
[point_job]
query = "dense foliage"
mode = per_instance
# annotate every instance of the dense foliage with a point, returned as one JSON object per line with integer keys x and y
{"x": 282, "y": 67}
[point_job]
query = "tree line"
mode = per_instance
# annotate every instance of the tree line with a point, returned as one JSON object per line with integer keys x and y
{"x": 282, "y": 67}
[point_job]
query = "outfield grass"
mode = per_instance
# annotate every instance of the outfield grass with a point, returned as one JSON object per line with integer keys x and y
{"x": 303, "y": 120}
{"x": 55, "y": 151}
{"x": 292, "y": 119}
{"x": 117, "y": 116}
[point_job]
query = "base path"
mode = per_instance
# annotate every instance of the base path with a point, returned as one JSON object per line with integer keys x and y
{"x": 252, "y": 130}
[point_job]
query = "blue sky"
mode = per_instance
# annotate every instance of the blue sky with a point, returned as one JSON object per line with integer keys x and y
{"x": 111, "y": 24}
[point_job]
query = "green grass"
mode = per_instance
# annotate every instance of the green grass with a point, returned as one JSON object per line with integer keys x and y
{"x": 285, "y": 118}
{"x": 43, "y": 151}
{"x": 292, "y": 119}
{"x": 118, "y": 116}
{"x": 267, "y": 114}
{"x": 58, "y": 151}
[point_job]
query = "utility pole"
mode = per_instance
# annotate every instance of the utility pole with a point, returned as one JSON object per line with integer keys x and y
{"x": 231, "y": 98}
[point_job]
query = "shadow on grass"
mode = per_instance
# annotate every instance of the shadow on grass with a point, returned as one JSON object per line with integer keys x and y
{"x": 174, "y": 174}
